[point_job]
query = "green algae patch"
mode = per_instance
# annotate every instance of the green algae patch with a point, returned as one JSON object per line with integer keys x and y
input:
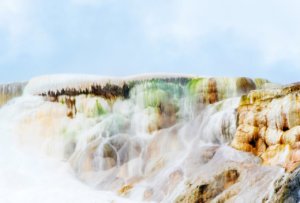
{"x": 245, "y": 100}
{"x": 154, "y": 97}
{"x": 194, "y": 84}
{"x": 260, "y": 82}
{"x": 92, "y": 106}
{"x": 99, "y": 110}
{"x": 62, "y": 101}
{"x": 155, "y": 93}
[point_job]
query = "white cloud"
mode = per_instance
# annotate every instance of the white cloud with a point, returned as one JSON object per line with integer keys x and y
{"x": 90, "y": 2}
{"x": 270, "y": 26}
{"x": 14, "y": 17}
{"x": 174, "y": 32}
{"x": 25, "y": 34}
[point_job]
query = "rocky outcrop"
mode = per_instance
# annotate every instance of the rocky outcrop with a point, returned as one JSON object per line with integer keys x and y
{"x": 9, "y": 91}
{"x": 211, "y": 90}
{"x": 163, "y": 93}
{"x": 269, "y": 125}
{"x": 232, "y": 176}
{"x": 209, "y": 191}
{"x": 173, "y": 139}
{"x": 107, "y": 91}
{"x": 289, "y": 190}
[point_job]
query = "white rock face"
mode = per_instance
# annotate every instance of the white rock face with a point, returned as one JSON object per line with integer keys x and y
{"x": 9, "y": 91}
{"x": 161, "y": 139}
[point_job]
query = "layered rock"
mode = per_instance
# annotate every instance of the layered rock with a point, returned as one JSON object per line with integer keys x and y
{"x": 168, "y": 138}
{"x": 269, "y": 125}
{"x": 9, "y": 91}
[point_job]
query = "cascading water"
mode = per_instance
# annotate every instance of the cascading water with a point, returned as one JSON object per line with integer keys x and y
{"x": 160, "y": 139}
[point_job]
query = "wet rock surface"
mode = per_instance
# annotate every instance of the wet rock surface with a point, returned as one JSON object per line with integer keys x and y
{"x": 10, "y": 91}
{"x": 174, "y": 139}
{"x": 268, "y": 126}
{"x": 207, "y": 192}
{"x": 288, "y": 190}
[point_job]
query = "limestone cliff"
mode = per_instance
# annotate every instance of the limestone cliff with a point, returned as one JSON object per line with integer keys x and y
{"x": 168, "y": 138}
{"x": 9, "y": 91}
{"x": 269, "y": 125}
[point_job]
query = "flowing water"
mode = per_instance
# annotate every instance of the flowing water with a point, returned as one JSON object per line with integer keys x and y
{"x": 151, "y": 145}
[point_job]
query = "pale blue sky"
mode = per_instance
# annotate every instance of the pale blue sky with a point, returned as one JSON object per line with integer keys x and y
{"x": 123, "y": 37}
